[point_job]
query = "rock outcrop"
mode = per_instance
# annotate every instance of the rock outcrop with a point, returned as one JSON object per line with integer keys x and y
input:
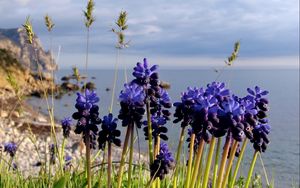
{"x": 29, "y": 56}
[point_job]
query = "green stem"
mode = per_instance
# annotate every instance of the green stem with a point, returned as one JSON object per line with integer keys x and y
{"x": 188, "y": 176}
{"x": 197, "y": 163}
{"x": 130, "y": 156}
{"x": 62, "y": 155}
{"x": 237, "y": 166}
{"x": 223, "y": 162}
{"x": 208, "y": 162}
{"x": 200, "y": 168}
{"x": 181, "y": 138}
{"x": 265, "y": 171}
{"x": 251, "y": 169}
{"x": 216, "y": 162}
{"x": 230, "y": 161}
{"x": 109, "y": 165}
{"x": 115, "y": 82}
{"x": 124, "y": 151}
{"x": 151, "y": 159}
{"x": 88, "y": 159}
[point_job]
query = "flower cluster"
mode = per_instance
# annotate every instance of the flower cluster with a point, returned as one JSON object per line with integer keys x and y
{"x": 147, "y": 77}
{"x": 163, "y": 163}
{"x": 215, "y": 110}
{"x": 257, "y": 121}
{"x": 87, "y": 116}
{"x": 159, "y": 105}
{"x": 66, "y": 126}
{"x": 132, "y": 105}
{"x": 109, "y": 132}
{"x": 10, "y": 148}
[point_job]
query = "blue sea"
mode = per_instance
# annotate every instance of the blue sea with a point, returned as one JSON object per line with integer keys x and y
{"x": 282, "y": 156}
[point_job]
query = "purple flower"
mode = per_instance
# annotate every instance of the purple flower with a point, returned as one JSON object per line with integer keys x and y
{"x": 163, "y": 162}
{"x": 260, "y": 137}
{"x": 109, "y": 132}
{"x": 217, "y": 89}
{"x": 87, "y": 116}
{"x": 144, "y": 74}
{"x": 256, "y": 94}
{"x": 132, "y": 94}
{"x": 10, "y": 148}
{"x": 132, "y": 104}
{"x": 68, "y": 162}
{"x": 66, "y": 126}
{"x": 87, "y": 100}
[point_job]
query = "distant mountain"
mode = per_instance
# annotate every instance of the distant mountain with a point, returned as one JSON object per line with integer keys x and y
{"x": 14, "y": 41}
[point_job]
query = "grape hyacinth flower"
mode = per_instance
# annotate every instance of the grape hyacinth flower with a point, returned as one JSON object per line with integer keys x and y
{"x": 87, "y": 116}
{"x": 68, "y": 162}
{"x": 159, "y": 105}
{"x": 132, "y": 105}
{"x": 109, "y": 132}
{"x": 131, "y": 99}
{"x": 10, "y": 148}
{"x": 163, "y": 163}
{"x": 66, "y": 126}
{"x": 146, "y": 75}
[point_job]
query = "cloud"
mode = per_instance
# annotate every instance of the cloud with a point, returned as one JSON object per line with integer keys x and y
{"x": 266, "y": 29}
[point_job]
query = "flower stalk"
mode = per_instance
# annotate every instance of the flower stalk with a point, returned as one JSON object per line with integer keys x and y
{"x": 197, "y": 162}
{"x": 181, "y": 139}
{"x": 189, "y": 169}
{"x": 216, "y": 162}
{"x": 229, "y": 164}
{"x": 208, "y": 162}
{"x": 251, "y": 169}
{"x": 124, "y": 151}
{"x": 130, "y": 155}
{"x": 223, "y": 162}
{"x": 237, "y": 166}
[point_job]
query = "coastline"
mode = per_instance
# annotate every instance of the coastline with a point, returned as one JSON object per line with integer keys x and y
{"x": 30, "y": 130}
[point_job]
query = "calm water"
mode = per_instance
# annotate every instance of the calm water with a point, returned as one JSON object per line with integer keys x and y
{"x": 282, "y": 156}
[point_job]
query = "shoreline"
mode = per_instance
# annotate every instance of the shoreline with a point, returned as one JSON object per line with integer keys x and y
{"x": 30, "y": 130}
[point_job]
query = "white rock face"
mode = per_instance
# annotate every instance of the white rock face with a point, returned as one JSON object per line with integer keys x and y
{"x": 15, "y": 41}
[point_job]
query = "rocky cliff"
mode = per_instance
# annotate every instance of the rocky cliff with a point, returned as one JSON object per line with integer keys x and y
{"x": 29, "y": 56}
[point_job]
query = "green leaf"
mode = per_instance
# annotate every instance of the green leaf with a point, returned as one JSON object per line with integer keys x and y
{"x": 61, "y": 183}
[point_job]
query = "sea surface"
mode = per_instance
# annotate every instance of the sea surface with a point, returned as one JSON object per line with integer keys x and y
{"x": 282, "y": 156}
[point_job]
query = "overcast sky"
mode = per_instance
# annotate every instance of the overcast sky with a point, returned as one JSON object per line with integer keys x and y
{"x": 168, "y": 32}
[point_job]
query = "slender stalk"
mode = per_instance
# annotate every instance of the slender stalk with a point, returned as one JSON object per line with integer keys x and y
{"x": 216, "y": 162}
{"x": 202, "y": 161}
{"x": 88, "y": 158}
{"x": 130, "y": 156}
{"x": 237, "y": 166}
{"x": 124, "y": 151}
{"x": 156, "y": 152}
{"x": 149, "y": 123}
{"x": 230, "y": 161}
{"x": 188, "y": 176}
{"x": 251, "y": 169}
{"x": 197, "y": 163}
{"x": 223, "y": 162}
{"x": 208, "y": 162}
{"x": 109, "y": 165}
{"x": 181, "y": 138}
{"x": 62, "y": 155}
{"x": 115, "y": 81}
{"x": 265, "y": 171}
